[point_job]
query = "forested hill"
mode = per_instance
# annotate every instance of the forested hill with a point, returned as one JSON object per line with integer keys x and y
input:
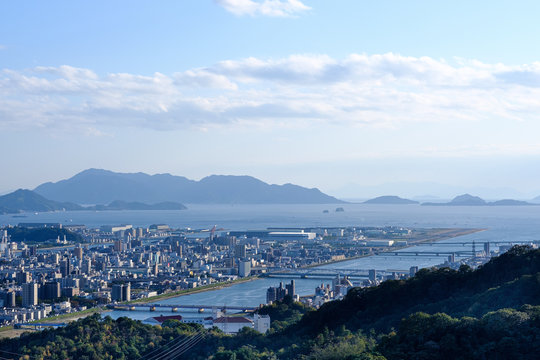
{"x": 510, "y": 280}
{"x": 490, "y": 313}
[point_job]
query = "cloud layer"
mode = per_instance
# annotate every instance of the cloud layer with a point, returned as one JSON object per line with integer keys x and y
{"x": 385, "y": 90}
{"x": 272, "y": 8}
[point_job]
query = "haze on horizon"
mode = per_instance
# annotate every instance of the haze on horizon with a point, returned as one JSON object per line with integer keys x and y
{"x": 356, "y": 98}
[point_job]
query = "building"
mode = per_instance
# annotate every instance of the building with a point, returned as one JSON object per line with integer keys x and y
{"x": 291, "y": 289}
{"x": 29, "y": 294}
{"x": 244, "y": 268}
{"x": 372, "y": 275}
{"x": 126, "y": 292}
{"x": 65, "y": 267}
{"x": 278, "y": 293}
{"x": 240, "y": 251}
{"x": 116, "y": 228}
{"x": 51, "y": 290}
{"x": 232, "y": 324}
{"x": 23, "y": 277}
{"x": 159, "y": 227}
{"x": 261, "y": 323}
{"x": 78, "y": 252}
{"x": 116, "y": 292}
{"x": 121, "y": 292}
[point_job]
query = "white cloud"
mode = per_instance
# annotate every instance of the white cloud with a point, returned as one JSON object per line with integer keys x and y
{"x": 273, "y": 8}
{"x": 380, "y": 91}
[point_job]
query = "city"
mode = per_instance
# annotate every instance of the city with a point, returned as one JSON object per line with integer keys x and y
{"x": 115, "y": 266}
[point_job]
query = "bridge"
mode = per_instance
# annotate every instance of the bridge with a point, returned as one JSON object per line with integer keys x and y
{"x": 37, "y": 326}
{"x": 176, "y": 307}
{"x": 425, "y": 253}
{"x": 481, "y": 243}
{"x": 324, "y": 273}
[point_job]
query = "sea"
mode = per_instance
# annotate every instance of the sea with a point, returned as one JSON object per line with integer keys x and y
{"x": 500, "y": 223}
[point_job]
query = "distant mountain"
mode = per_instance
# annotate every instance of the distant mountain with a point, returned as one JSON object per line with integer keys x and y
{"x": 95, "y": 186}
{"x": 469, "y": 200}
{"x": 123, "y": 205}
{"x": 510, "y": 202}
{"x": 25, "y": 200}
{"x": 390, "y": 200}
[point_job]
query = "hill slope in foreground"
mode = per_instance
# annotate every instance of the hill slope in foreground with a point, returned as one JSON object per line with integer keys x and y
{"x": 489, "y": 313}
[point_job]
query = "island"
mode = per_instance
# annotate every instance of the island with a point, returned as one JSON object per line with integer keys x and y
{"x": 470, "y": 200}
{"x": 390, "y": 200}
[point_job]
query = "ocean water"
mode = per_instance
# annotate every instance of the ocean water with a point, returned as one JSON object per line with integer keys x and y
{"x": 504, "y": 223}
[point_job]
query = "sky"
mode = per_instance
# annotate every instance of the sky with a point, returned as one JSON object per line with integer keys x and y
{"x": 357, "y": 98}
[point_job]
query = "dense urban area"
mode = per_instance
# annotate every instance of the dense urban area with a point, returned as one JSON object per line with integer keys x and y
{"x": 49, "y": 269}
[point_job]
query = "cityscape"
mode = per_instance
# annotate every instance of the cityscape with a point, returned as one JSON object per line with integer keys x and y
{"x": 269, "y": 180}
{"x": 124, "y": 267}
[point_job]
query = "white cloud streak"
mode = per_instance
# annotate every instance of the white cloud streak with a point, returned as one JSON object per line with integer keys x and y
{"x": 385, "y": 90}
{"x": 271, "y": 8}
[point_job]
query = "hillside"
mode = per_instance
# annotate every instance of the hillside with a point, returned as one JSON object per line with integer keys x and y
{"x": 26, "y": 200}
{"x": 41, "y": 235}
{"x": 390, "y": 200}
{"x": 95, "y": 186}
{"x": 489, "y": 313}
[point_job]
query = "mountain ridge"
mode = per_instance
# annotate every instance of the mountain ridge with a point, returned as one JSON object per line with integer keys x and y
{"x": 99, "y": 187}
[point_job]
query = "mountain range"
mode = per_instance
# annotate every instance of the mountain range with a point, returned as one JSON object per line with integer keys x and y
{"x": 98, "y": 187}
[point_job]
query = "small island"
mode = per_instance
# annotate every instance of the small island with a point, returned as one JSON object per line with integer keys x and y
{"x": 390, "y": 200}
{"x": 470, "y": 200}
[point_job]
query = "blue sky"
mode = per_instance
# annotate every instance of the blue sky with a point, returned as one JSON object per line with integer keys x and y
{"x": 342, "y": 95}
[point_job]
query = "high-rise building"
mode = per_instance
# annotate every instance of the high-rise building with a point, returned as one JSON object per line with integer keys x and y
{"x": 116, "y": 293}
{"x": 9, "y": 298}
{"x": 291, "y": 289}
{"x": 121, "y": 292}
{"x": 78, "y": 252}
{"x": 372, "y": 275}
{"x": 244, "y": 268}
{"x": 65, "y": 267}
{"x": 118, "y": 245}
{"x": 240, "y": 251}
{"x": 23, "y": 277}
{"x": 87, "y": 266}
{"x": 126, "y": 292}
{"x": 51, "y": 290}
{"x": 29, "y": 294}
